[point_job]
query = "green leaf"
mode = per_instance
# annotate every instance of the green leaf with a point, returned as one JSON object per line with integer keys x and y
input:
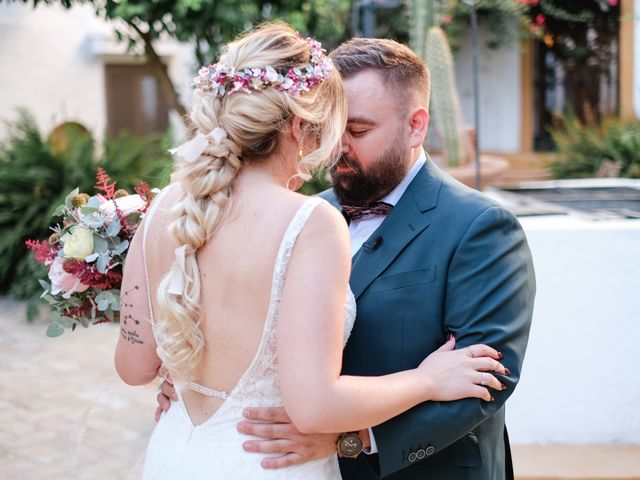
{"x": 103, "y": 261}
{"x": 100, "y": 245}
{"x": 121, "y": 247}
{"x": 114, "y": 228}
{"x": 55, "y": 329}
{"x": 91, "y": 258}
{"x": 94, "y": 203}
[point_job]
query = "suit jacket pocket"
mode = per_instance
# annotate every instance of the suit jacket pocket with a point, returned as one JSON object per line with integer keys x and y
{"x": 394, "y": 281}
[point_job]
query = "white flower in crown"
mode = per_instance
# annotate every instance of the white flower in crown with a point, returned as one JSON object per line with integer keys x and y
{"x": 270, "y": 75}
{"x": 287, "y": 83}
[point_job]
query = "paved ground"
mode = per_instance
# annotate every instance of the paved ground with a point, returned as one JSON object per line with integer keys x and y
{"x": 51, "y": 387}
{"x": 48, "y": 385}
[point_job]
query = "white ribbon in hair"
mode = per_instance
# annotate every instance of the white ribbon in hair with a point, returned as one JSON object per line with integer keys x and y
{"x": 190, "y": 151}
{"x": 178, "y": 275}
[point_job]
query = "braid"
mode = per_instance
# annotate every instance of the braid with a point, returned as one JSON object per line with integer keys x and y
{"x": 205, "y": 200}
{"x": 252, "y": 126}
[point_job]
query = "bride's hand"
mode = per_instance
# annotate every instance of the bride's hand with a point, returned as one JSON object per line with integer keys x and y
{"x": 465, "y": 373}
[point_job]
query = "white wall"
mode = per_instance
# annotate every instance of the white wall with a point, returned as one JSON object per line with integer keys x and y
{"x": 500, "y": 98}
{"x": 581, "y": 377}
{"x": 52, "y": 62}
{"x": 636, "y": 59}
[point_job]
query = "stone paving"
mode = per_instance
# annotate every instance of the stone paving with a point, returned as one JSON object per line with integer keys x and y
{"x": 50, "y": 388}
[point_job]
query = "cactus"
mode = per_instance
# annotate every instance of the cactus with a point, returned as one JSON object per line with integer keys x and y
{"x": 444, "y": 95}
{"x": 422, "y": 18}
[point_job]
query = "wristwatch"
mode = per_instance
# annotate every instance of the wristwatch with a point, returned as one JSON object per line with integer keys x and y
{"x": 349, "y": 445}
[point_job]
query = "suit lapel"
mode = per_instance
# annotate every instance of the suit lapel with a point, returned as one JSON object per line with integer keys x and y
{"x": 402, "y": 225}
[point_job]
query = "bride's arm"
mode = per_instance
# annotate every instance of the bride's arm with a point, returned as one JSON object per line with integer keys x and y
{"x": 135, "y": 359}
{"x": 310, "y": 333}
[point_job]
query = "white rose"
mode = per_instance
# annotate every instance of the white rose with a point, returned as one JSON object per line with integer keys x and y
{"x": 79, "y": 243}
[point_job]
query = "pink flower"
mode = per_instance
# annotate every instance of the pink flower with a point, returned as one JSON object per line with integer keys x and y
{"x": 613, "y": 3}
{"x": 62, "y": 281}
{"x": 127, "y": 204}
{"x": 540, "y": 19}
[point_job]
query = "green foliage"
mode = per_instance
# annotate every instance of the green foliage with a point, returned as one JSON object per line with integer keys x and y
{"x": 35, "y": 178}
{"x": 209, "y": 24}
{"x": 319, "y": 182}
{"x": 444, "y": 95}
{"x": 582, "y": 147}
{"x": 500, "y": 18}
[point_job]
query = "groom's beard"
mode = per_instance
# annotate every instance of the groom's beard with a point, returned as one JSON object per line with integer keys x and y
{"x": 360, "y": 186}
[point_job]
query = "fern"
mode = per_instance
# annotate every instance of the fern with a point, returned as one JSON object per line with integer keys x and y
{"x": 36, "y": 177}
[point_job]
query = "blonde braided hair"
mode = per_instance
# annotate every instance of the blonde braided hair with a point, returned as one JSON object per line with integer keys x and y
{"x": 253, "y": 123}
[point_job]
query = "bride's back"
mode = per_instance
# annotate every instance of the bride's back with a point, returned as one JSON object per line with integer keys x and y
{"x": 236, "y": 269}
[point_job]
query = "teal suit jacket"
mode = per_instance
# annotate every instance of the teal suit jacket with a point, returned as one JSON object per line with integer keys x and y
{"x": 446, "y": 259}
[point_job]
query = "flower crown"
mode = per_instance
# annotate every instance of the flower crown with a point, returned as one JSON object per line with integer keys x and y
{"x": 225, "y": 80}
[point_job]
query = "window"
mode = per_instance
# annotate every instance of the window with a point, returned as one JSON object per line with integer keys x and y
{"x": 135, "y": 100}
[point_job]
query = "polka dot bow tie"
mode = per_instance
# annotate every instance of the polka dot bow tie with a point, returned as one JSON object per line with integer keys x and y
{"x": 354, "y": 212}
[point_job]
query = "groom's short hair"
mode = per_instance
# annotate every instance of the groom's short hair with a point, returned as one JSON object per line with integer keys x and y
{"x": 398, "y": 64}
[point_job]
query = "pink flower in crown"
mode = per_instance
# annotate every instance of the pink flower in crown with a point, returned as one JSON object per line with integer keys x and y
{"x": 61, "y": 281}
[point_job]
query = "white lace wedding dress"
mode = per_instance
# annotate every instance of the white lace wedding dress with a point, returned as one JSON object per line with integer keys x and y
{"x": 178, "y": 450}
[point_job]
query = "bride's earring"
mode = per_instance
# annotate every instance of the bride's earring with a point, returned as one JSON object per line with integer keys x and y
{"x": 300, "y": 155}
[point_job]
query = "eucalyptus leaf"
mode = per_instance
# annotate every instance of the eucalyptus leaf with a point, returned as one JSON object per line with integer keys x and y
{"x": 105, "y": 299}
{"x": 109, "y": 315}
{"x": 59, "y": 211}
{"x": 44, "y": 285}
{"x": 100, "y": 245}
{"x": 94, "y": 220}
{"x": 91, "y": 258}
{"x": 89, "y": 210}
{"x": 103, "y": 261}
{"x": 55, "y": 329}
{"x": 114, "y": 228}
{"x": 94, "y": 203}
{"x": 121, "y": 247}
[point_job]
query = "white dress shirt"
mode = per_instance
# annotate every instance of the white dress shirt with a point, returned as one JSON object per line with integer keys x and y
{"x": 362, "y": 228}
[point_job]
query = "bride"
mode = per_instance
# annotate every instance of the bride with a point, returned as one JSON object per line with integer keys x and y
{"x": 238, "y": 286}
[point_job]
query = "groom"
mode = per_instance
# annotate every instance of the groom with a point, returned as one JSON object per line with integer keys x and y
{"x": 442, "y": 259}
{"x": 445, "y": 259}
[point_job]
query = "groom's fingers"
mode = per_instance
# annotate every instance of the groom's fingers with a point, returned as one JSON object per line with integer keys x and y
{"x": 267, "y": 414}
{"x": 268, "y": 430}
{"x": 284, "y": 461}
{"x": 268, "y": 446}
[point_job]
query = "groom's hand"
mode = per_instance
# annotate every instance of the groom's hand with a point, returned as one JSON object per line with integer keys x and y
{"x": 165, "y": 395}
{"x": 281, "y": 437}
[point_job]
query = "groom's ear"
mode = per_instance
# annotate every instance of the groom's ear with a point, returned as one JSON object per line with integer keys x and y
{"x": 419, "y": 123}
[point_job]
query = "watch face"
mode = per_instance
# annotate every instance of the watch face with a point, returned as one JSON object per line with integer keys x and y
{"x": 350, "y": 445}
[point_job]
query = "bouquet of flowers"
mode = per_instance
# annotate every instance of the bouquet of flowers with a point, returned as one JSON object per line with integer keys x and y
{"x": 85, "y": 254}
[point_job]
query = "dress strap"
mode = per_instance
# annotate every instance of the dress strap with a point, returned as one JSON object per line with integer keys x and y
{"x": 294, "y": 229}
